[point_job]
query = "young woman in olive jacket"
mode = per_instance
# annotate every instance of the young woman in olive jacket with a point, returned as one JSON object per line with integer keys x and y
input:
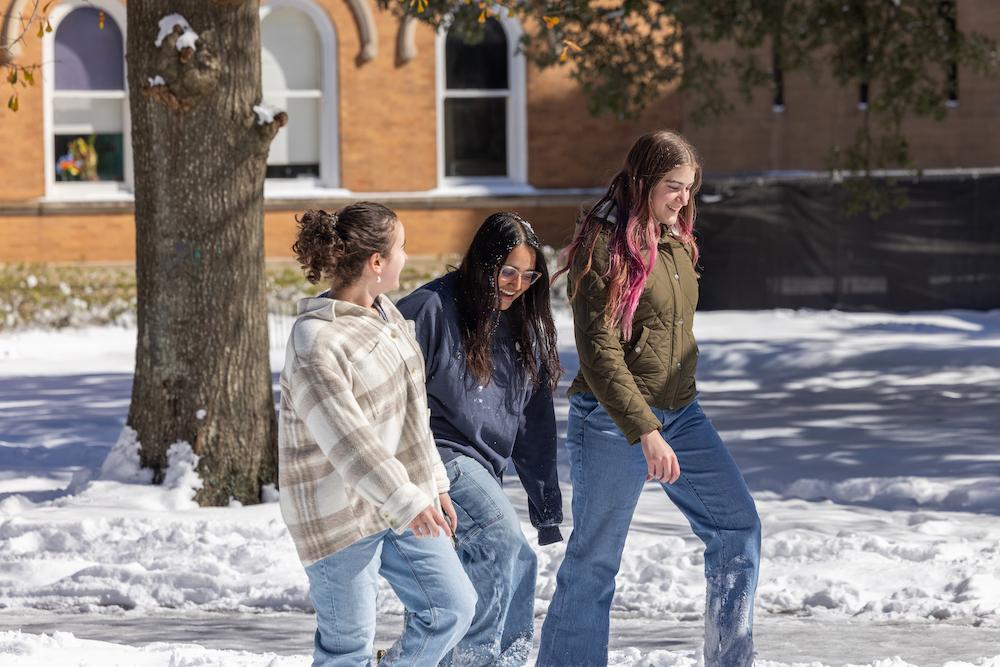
{"x": 633, "y": 290}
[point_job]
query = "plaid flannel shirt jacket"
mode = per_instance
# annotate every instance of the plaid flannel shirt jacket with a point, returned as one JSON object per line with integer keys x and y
{"x": 356, "y": 454}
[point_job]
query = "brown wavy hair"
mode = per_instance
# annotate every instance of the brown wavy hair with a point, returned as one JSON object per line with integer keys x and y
{"x": 334, "y": 247}
{"x": 634, "y": 233}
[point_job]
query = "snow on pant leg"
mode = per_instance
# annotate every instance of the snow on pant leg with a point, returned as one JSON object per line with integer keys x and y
{"x": 714, "y": 497}
{"x": 501, "y": 565}
{"x": 440, "y": 602}
{"x": 343, "y": 588}
{"x": 607, "y": 475}
{"x": 519, "y": 627}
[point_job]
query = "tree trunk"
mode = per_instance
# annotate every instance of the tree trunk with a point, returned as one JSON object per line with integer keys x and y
{"x": 202, "y": 373}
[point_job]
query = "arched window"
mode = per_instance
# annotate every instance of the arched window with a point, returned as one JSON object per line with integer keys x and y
{"x": 87, "y": 115}
{"x": 298, "y": 65}
{"x": 481, "y": 126}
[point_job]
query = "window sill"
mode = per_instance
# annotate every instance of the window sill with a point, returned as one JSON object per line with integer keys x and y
{"x": 81, "y": 200}
{"x": 275, "y": 189}
{"x": 295, "y": 199}
{"x": 481, "y": 195}
{"x": 84, "y": 196}
{"x": 506, "y": 188}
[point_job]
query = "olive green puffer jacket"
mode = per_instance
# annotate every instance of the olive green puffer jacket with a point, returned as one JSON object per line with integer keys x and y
{"x": 656, "y": 367}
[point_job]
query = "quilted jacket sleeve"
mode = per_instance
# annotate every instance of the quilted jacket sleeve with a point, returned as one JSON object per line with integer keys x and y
{"x": 602, "y": 359}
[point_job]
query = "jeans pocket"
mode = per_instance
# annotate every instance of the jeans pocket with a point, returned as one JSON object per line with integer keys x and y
{"x": 453, "y": 471}
{"x": 598, "y": 419}
{"x": 583, "y": 405}
{"x": 474, "y": 504}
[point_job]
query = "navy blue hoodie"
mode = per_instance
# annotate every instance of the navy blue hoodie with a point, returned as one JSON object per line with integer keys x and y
{"x": 508, "y": 418}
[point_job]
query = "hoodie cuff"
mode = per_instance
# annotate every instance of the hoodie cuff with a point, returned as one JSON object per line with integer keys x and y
{"x": 549, "y": 535}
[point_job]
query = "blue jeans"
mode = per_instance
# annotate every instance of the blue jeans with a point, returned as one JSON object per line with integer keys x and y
{"x": 501, "y": 565}
{"x": 427, "y": 577}
{"x": 608, "y": 475}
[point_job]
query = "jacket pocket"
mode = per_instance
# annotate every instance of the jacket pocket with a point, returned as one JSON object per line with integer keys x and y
{"x": 380, "y": 374}
{"x": 638, "y": 347}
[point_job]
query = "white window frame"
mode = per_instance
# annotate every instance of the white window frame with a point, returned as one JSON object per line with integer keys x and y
{"x": 517, "y": 126}
{"x": 84, "y": 190}
{"x": 329, "y": 106}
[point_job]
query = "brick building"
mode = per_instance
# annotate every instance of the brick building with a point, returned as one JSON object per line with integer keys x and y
{"x": 391, "y": 110}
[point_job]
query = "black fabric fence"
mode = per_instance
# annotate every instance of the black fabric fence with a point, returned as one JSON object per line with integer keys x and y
{"x": 790, "y": 245}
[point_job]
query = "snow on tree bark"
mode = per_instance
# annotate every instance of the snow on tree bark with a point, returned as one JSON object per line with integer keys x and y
{"x": 199, "y": 163}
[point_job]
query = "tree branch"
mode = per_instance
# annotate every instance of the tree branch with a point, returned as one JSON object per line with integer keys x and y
{"x": 7, "y": 46}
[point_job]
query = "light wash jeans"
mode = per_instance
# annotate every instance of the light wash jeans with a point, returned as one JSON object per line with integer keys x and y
{"x": 427, "y": 577}
{"x": 608, "y": 475}
{"x": 501, "y": 565}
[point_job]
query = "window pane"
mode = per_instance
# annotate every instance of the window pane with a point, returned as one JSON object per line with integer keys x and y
{"x": 291, "y": 57}
{"x": 292, "y": 171}
{"x": 87, "y": 115}
{"x": 295, "y": 149}
{"x": 88, "y": 58}
{"x": 475, "y": 136}
{"x": 95, "y": 157}
{"x": 477, "y": 66}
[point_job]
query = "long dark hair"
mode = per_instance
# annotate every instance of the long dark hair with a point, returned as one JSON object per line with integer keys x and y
{"x": 635, "y": 232}
{"x": 530, "y": 316}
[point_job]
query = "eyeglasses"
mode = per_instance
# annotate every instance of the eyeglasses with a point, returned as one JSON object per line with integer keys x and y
{"x": 509, "y": 273}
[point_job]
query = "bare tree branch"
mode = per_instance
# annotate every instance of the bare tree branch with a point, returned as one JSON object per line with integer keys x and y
{"x": 9, "y": 42}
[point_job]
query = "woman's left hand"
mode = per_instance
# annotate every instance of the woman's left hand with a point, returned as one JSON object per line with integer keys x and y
{"x": 449, "y": 511}
{"x": 661, "y": 461}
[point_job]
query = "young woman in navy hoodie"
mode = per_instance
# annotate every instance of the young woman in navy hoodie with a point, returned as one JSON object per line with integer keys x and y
{"x": 491, "y": 359}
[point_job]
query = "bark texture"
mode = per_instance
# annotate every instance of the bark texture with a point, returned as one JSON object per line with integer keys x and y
{"x": 199, "y": 157}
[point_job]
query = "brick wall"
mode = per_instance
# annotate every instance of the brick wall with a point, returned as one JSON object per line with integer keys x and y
{"x": 568, "y": 147}
{"x": 67, "y": 238}
{"x": 110, "y": 237}
{"x": 388, "y": 132}
{"x": 439, "y": 231}
{"x": 387, "y": 111}
{"x": 22, "y": 157}
{"x": 819, "y": 113}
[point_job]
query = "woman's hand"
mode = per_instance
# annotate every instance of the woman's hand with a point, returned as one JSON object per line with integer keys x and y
{"x": 449, "y": 511}
{"x": 429, "y": 523}
{"x": 662, "y": 464}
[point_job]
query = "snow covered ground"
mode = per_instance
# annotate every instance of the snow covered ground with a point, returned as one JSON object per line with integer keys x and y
{"x": 870, "y": 442}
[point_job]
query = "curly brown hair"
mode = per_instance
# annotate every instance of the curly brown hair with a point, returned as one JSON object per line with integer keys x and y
{"x": 334, "y": 247}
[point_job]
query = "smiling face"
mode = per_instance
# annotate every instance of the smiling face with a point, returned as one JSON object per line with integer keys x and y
{"x": 522, "y": 258}
{"x": 671, "y": 194}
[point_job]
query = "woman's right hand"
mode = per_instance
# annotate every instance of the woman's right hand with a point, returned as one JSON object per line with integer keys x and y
{"x": 661, "y": 462}
{"x": 429, "y": 523}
